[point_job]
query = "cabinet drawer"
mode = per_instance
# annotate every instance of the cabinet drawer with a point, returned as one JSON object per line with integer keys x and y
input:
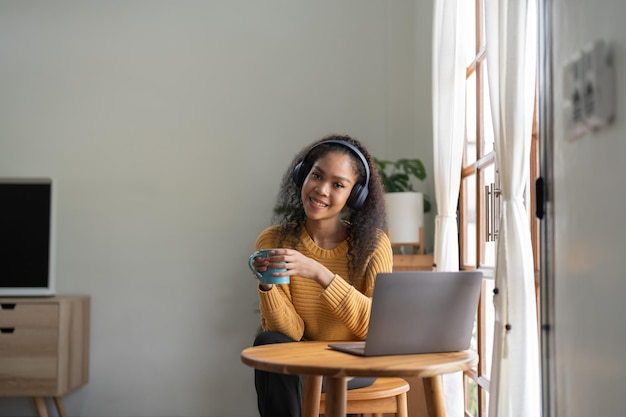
{"x": 28, "y": 377}
{"x": 29, "y": 342}
{"x": 29, "y": 361}
{"x": 29, "y": 315}
{"x": 44, "y": 345}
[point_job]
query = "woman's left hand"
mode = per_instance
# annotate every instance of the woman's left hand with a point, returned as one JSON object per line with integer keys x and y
{"x": 298, "y": 264}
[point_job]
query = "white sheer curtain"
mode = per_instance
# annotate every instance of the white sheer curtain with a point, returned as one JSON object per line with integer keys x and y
{"x": 448, "y": 125}
{"x": 511, "y": 61}
{"x": 448, "y": 129}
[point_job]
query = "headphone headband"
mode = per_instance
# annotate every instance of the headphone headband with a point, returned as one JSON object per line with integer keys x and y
{"x": 359, "y": 191}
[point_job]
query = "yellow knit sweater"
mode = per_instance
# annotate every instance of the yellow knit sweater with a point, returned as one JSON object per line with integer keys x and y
{"x": 302, "y": 309}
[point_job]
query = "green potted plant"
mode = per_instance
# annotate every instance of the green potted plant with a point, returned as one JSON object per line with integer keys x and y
{"x": 397, "y": 175}
{"x": 405, "y": 206}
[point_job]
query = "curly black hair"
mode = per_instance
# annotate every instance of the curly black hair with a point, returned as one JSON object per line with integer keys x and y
{"x": 362, "y": 223}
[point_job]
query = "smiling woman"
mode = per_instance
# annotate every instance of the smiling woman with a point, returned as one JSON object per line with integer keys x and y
{"x": 329, "y": 237}
{"x": 329, "y": 187}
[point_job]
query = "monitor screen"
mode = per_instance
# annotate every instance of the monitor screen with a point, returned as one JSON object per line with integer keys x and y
{"x": 26, "y": 237}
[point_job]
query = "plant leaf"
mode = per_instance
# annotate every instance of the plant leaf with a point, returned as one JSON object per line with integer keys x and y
{"x": 413, "y": 167}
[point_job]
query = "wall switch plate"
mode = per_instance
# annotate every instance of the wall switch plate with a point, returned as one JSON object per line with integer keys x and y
{"x": 573, "y": 92}
{"x": 598, "y": 85}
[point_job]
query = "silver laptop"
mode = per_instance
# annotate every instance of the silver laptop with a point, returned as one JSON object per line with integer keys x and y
{"x": 420, "y": 312}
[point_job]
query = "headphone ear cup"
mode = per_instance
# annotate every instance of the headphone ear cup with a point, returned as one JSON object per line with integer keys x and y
{"x": 357, "y": 197}
{"x": 299, "y": 174}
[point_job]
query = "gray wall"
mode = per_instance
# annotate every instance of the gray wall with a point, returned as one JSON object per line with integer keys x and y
{"x": 166, "y": 126}
{"x": 589, "y": 228}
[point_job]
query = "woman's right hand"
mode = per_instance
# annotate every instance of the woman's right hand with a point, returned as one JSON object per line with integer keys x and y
{"x": 261, "y": 265}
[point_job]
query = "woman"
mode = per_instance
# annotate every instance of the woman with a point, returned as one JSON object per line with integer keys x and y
{"x": 330, "y": 217}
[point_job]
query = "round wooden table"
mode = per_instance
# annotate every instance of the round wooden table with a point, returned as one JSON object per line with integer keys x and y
{"x": 314, "y": 360}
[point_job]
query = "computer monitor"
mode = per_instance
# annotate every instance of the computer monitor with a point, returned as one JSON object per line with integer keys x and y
{"x": 26, "y": 237}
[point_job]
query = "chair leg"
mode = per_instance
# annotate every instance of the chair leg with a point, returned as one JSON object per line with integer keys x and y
{"x": 402, "y": 405}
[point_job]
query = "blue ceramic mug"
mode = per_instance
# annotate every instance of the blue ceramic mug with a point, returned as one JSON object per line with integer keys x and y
{"x": 267, "y": 277}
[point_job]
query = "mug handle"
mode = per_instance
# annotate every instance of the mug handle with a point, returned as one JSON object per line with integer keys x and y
{"x": 250, "y": 259}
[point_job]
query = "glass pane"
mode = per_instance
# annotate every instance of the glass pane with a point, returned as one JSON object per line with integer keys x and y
{"x": 469, "y": 220}
{"x": 487, "y": 330}
{"x": 488, "y": 139}
{"x": 471, "y": 403}
{"x": 481, "y": 17}
{"x": 468, "y": 30}
{"x": 470, "y": 120}
{"x": 485, "y": 407}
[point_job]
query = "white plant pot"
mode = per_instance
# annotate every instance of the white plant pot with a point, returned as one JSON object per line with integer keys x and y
{"x": 405, "y": 216}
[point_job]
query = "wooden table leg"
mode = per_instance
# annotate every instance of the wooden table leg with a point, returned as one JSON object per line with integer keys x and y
{"x": 58, "y": 401}
{"x": 40, "y": 404}
{"x": 336, "y": 393}
{"x": 311, "y": 396}
{"x": 433, "y": 393}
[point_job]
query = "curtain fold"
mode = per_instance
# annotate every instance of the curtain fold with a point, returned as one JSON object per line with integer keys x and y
{"x": 448, "y": 131}
{"x": 511, "y": 28}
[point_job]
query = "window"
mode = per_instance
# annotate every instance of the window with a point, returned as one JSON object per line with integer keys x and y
{"x": 479, "y": 202}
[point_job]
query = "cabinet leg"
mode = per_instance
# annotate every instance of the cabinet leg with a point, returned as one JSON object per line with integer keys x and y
{"x": 40, "y": 403}
{"x": 58, "y": 401}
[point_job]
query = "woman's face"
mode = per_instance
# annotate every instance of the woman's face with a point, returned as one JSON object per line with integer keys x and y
{"x": 327, "y": 187}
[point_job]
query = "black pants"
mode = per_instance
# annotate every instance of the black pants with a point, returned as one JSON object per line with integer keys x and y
{"x": 280, "y": 395}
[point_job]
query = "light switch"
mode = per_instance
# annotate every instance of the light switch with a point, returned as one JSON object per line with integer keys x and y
{"x": 573, "y": 91}
{"x": 598, "y": 85}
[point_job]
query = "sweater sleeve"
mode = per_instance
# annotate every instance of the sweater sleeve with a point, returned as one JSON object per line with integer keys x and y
{"x": 279, "y": 314}
{"x": 277, "y": 310}
{"x": 351, "y": 306}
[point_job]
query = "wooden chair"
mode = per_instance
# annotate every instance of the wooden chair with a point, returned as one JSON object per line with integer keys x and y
{"x": 385, "y": 395}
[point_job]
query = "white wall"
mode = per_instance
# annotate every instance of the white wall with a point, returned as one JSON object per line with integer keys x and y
{"x": 590, "y": 197}
{"x": 166, "y": 127}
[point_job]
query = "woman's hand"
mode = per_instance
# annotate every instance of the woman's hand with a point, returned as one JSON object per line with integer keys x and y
{"x": 260, "y": 265}
{"x": 296, "y": 264}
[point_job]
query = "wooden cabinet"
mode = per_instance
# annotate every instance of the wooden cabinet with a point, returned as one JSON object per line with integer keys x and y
{"x": 44, "y": 347}
{"x": 413, "y": 262}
